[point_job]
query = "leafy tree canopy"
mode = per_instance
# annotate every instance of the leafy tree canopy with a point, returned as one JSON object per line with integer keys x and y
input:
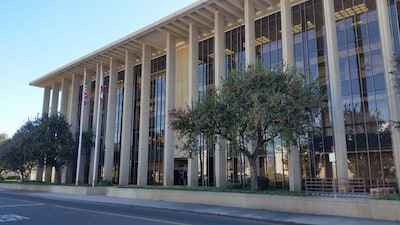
{"x": 396, "y": 73}
{"x": 43, "y": 140}
{"x": 253, "y": 106}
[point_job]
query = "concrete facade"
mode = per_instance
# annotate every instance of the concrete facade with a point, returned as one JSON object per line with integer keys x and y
{"x": 177, "y": 38}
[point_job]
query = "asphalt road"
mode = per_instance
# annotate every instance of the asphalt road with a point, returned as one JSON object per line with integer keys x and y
{"x": 17, "y": 209}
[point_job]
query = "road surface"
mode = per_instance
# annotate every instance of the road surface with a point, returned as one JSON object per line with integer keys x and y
{"x": 17, "y": 208}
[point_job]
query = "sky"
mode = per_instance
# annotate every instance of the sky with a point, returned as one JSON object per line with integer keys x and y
{"x": 37, "y": 37}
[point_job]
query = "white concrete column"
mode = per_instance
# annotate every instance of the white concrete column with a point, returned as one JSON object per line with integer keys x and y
{"x": 336, "y": 92}
{"x": 65, "y": 84}
{"x": 219, "y": 73}
{"x": 294, "y": 168}
{"x": 53, "y": 112}
{"x": 287, "y": 33}
{"x": 193, "y": 165}
{"x": 249, "y": 32}
{"x": 64, "y": 98}
{"x": 169, "y": 145}
{"x": 388, "y": 53}
{"x": 39, "y": 172}
{"x": 94, "y": 126}
{"x": 74, "y": 104}
{"x": 110, "y": 121}
{"x": 288, "y": 59}
{"x": 144, "y": 117}
{"x": 72, "y": 119}
{"x": 54, "y": 99}
{"x": 45, "y": 113}
{"x": 127, "y": 117}
{"x": 46, "y": 101}
{"x": 47, "y": 174}
{"x": 66, "y": 171}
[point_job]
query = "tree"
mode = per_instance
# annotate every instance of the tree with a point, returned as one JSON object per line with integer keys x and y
{"x": 396, "y": 73}
{"x": 18, "y": 153}
{"x": 252, "y": 108}
{"x": 3, "y": 138}
{"x": 42, "y": 140}
{"x": 54, "y": 140}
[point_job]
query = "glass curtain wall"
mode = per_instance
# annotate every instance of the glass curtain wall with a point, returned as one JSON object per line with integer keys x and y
{"x": 100, "y": 169}
{"x": 365, "y": 105}
{"x": 269, "y": 51}
{"x": 157, "y": 121}
{"x": 137, "y": 73}
{"x": 394, "y": 14}
{"x": 235, "y": 56}
{"x": 311, "y": 60}
{"x": 118, "y": 126}
{"x": 91, "y": 117}
{"x": 235, "y": 59}
{"x": 206, "y": 85}
{"x": 269, "y": 40}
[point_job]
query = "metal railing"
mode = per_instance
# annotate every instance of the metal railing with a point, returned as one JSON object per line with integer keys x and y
{"x": 348, "y": 186}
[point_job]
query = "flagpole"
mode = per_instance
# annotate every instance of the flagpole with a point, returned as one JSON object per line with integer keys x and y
{"x": 98, "y": 127}
{"x": 83, "y": 105}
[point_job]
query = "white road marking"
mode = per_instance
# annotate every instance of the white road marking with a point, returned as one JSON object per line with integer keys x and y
{"x": 11, "y": 217}
{"x": 20, "y": 205}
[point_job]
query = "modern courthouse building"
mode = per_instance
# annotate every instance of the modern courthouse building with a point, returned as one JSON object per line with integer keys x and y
{"x": 348, "y": 46}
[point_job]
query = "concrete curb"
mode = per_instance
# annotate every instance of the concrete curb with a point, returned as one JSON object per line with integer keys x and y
{"x": 56, "y": 188}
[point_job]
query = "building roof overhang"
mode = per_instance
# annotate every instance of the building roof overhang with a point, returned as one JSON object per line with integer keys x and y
{"x": 200, "y": 14}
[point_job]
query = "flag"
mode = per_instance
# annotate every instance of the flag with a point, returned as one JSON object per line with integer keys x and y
{"x": 85, "y": 92}
{"x": 97, "y": 143}
{"x": 101, "y": 87}
{"x": 83, "y": 106}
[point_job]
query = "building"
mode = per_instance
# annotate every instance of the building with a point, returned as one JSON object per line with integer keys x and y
{"x": 348, "y": 46}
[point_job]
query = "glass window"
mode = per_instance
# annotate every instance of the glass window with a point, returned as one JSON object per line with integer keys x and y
{"x": 379, "y": 81}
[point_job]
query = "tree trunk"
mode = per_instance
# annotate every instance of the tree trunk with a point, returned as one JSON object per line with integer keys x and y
{"x": 57, "y": 175}
{"x": 253, "y": 173}
{"x": 22, "y": 176}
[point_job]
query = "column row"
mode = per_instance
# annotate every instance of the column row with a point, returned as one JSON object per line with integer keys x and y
{"x": 69, "y": 98}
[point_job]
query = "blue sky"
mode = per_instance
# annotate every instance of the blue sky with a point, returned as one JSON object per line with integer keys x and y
{"x": 40, "y": 36}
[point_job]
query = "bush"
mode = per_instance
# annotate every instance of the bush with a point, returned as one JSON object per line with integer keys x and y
{"x": 105, "y": 183}
{"x": 262, "y": 182}
{"x": 13, "y": 178}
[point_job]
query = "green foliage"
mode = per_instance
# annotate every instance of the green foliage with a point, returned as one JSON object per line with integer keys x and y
{"x": 391, "y": 197}
{"x": 396, "y": 124}
{"x": 270, "y": 103}
{"x": 253, "y": 106}
{"x": 87, "y": 141}
{"x": 262, "y": 183}
{"x": 55, "y": 140}
{"x": 19, "y": 153}
{"x": 105, "y": 183}
{"x": 396, "y": 74}
{"x": 42, "y": 140}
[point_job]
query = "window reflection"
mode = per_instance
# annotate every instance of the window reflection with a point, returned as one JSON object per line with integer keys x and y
{"x": 364, "y": 93}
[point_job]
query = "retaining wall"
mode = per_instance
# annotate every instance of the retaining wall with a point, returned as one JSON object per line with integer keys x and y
{"x": 351, "y": 207}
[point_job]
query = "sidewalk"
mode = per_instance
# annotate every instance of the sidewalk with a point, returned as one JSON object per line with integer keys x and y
{"x": 281, "y": 217}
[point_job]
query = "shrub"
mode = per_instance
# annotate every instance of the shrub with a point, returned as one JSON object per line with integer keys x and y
{"x": 105, "y": 183}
